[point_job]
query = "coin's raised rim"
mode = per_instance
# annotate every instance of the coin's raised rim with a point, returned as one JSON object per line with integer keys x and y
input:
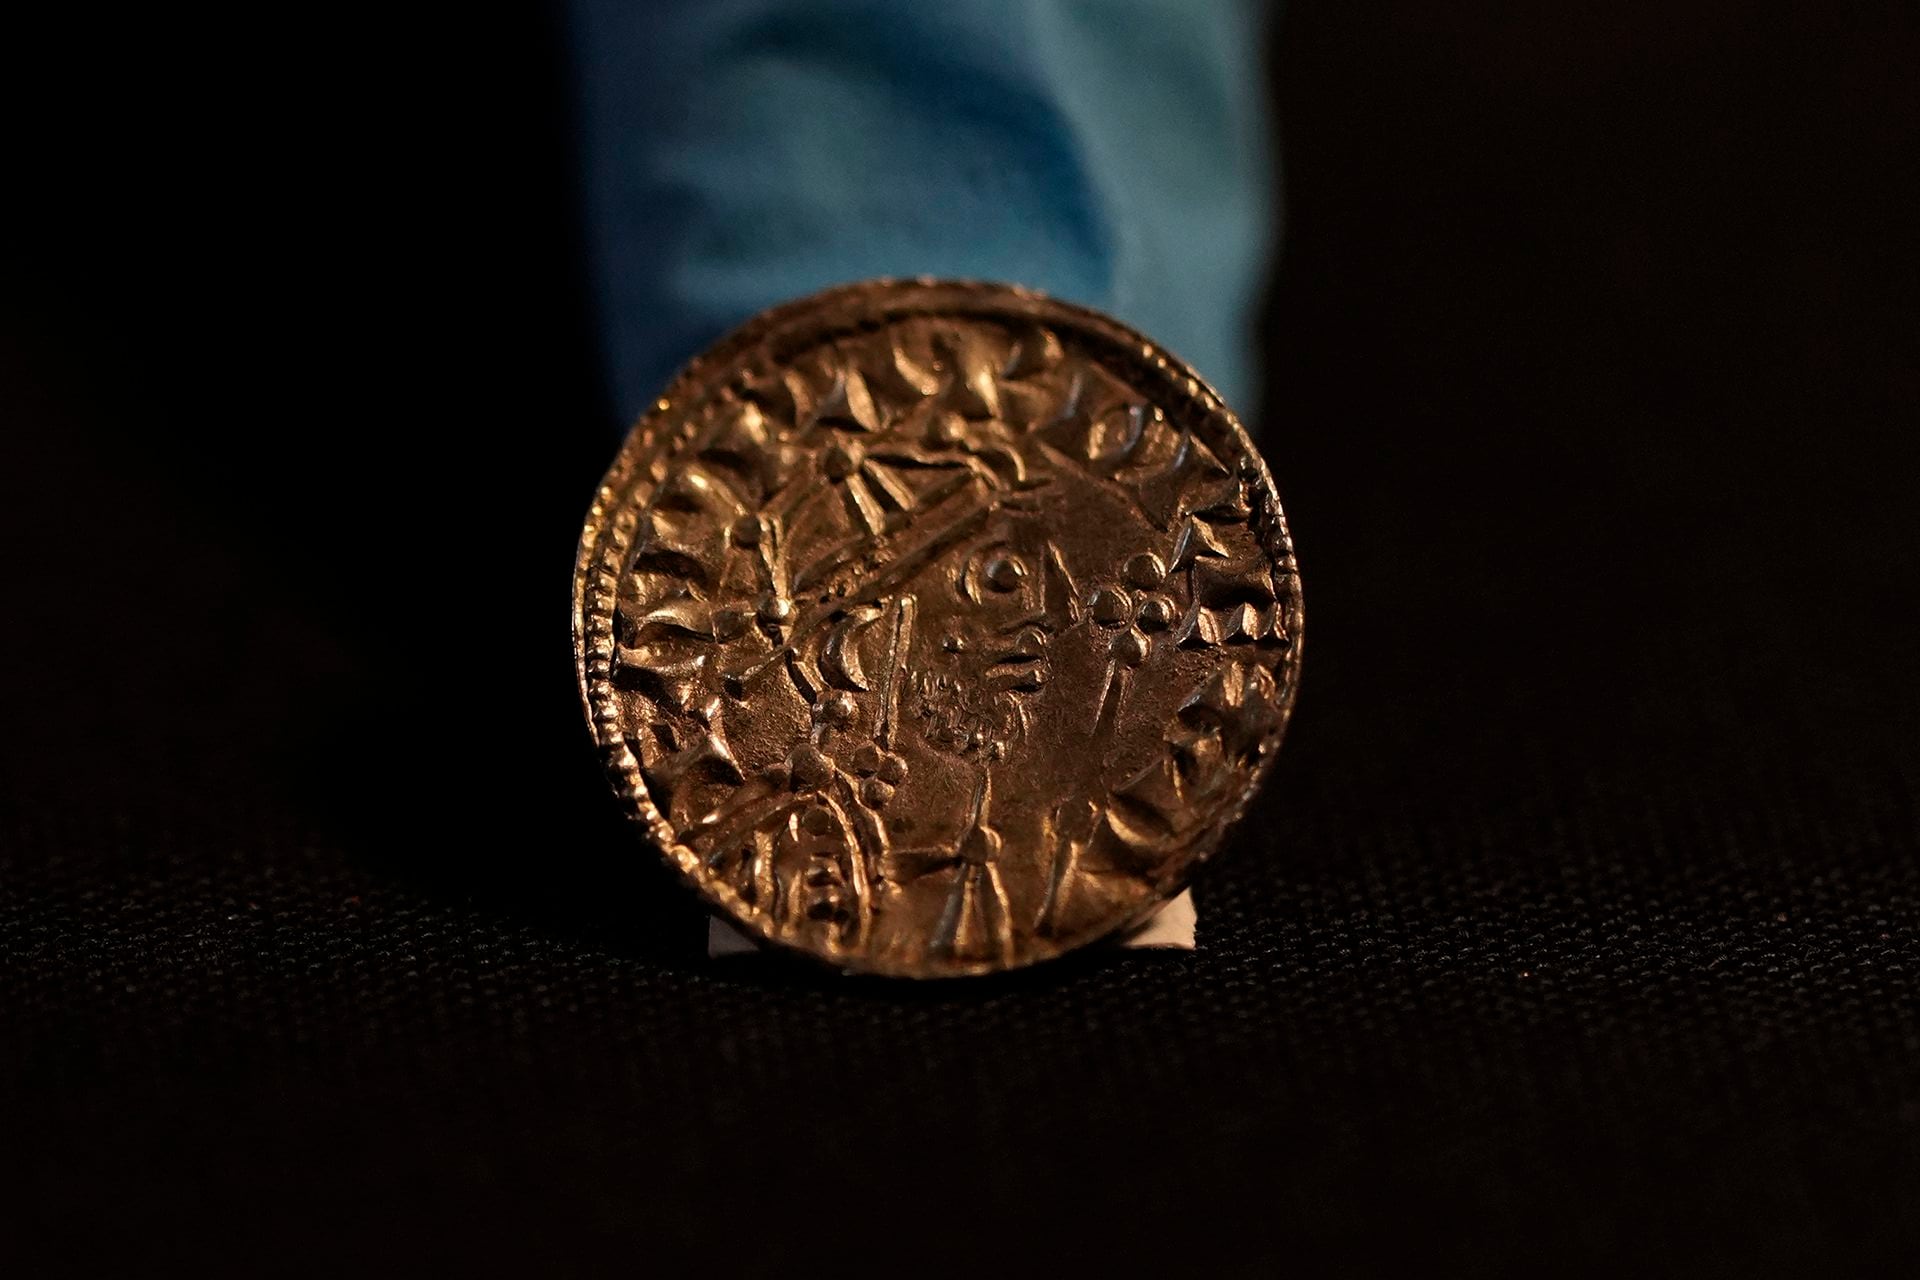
{"x": 875, "y": 302}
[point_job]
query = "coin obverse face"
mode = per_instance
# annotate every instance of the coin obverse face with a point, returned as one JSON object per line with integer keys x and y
{"x": 936, "y": 629}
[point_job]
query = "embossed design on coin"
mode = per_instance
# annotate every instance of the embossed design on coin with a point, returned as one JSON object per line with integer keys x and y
{"x": 936, "y": 628}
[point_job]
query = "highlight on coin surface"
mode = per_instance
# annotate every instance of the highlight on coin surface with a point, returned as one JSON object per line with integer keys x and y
{"x": 934, "y": 628}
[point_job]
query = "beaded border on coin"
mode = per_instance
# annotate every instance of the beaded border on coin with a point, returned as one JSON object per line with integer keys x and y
{"x": 618, "y": 523}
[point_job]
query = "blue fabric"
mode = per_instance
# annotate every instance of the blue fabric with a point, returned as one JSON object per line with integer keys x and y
{"x": 740, "y": 153}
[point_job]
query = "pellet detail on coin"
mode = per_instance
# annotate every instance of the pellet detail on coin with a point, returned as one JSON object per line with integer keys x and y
{"x": 936, "y": 628}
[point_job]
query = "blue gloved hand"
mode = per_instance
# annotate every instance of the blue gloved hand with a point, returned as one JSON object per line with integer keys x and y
{"x": 740, "y": 153}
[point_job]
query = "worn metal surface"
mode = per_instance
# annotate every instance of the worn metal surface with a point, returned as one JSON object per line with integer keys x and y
{"x": 936, "y": 628}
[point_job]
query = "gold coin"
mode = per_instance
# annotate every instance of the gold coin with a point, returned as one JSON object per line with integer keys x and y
{"x": 933, "y": 628}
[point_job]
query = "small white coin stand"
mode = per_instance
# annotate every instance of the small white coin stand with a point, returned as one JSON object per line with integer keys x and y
{"x": 1170, "y": 928}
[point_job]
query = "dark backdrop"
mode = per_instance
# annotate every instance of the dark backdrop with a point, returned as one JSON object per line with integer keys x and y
{"x": 1577, "y": 927}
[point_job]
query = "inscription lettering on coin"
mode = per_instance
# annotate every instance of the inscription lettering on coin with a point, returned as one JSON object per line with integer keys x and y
{"x": 936, "y": 629}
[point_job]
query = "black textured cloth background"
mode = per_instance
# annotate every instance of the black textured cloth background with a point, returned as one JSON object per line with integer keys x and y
{"x": 1575, "y": 932}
